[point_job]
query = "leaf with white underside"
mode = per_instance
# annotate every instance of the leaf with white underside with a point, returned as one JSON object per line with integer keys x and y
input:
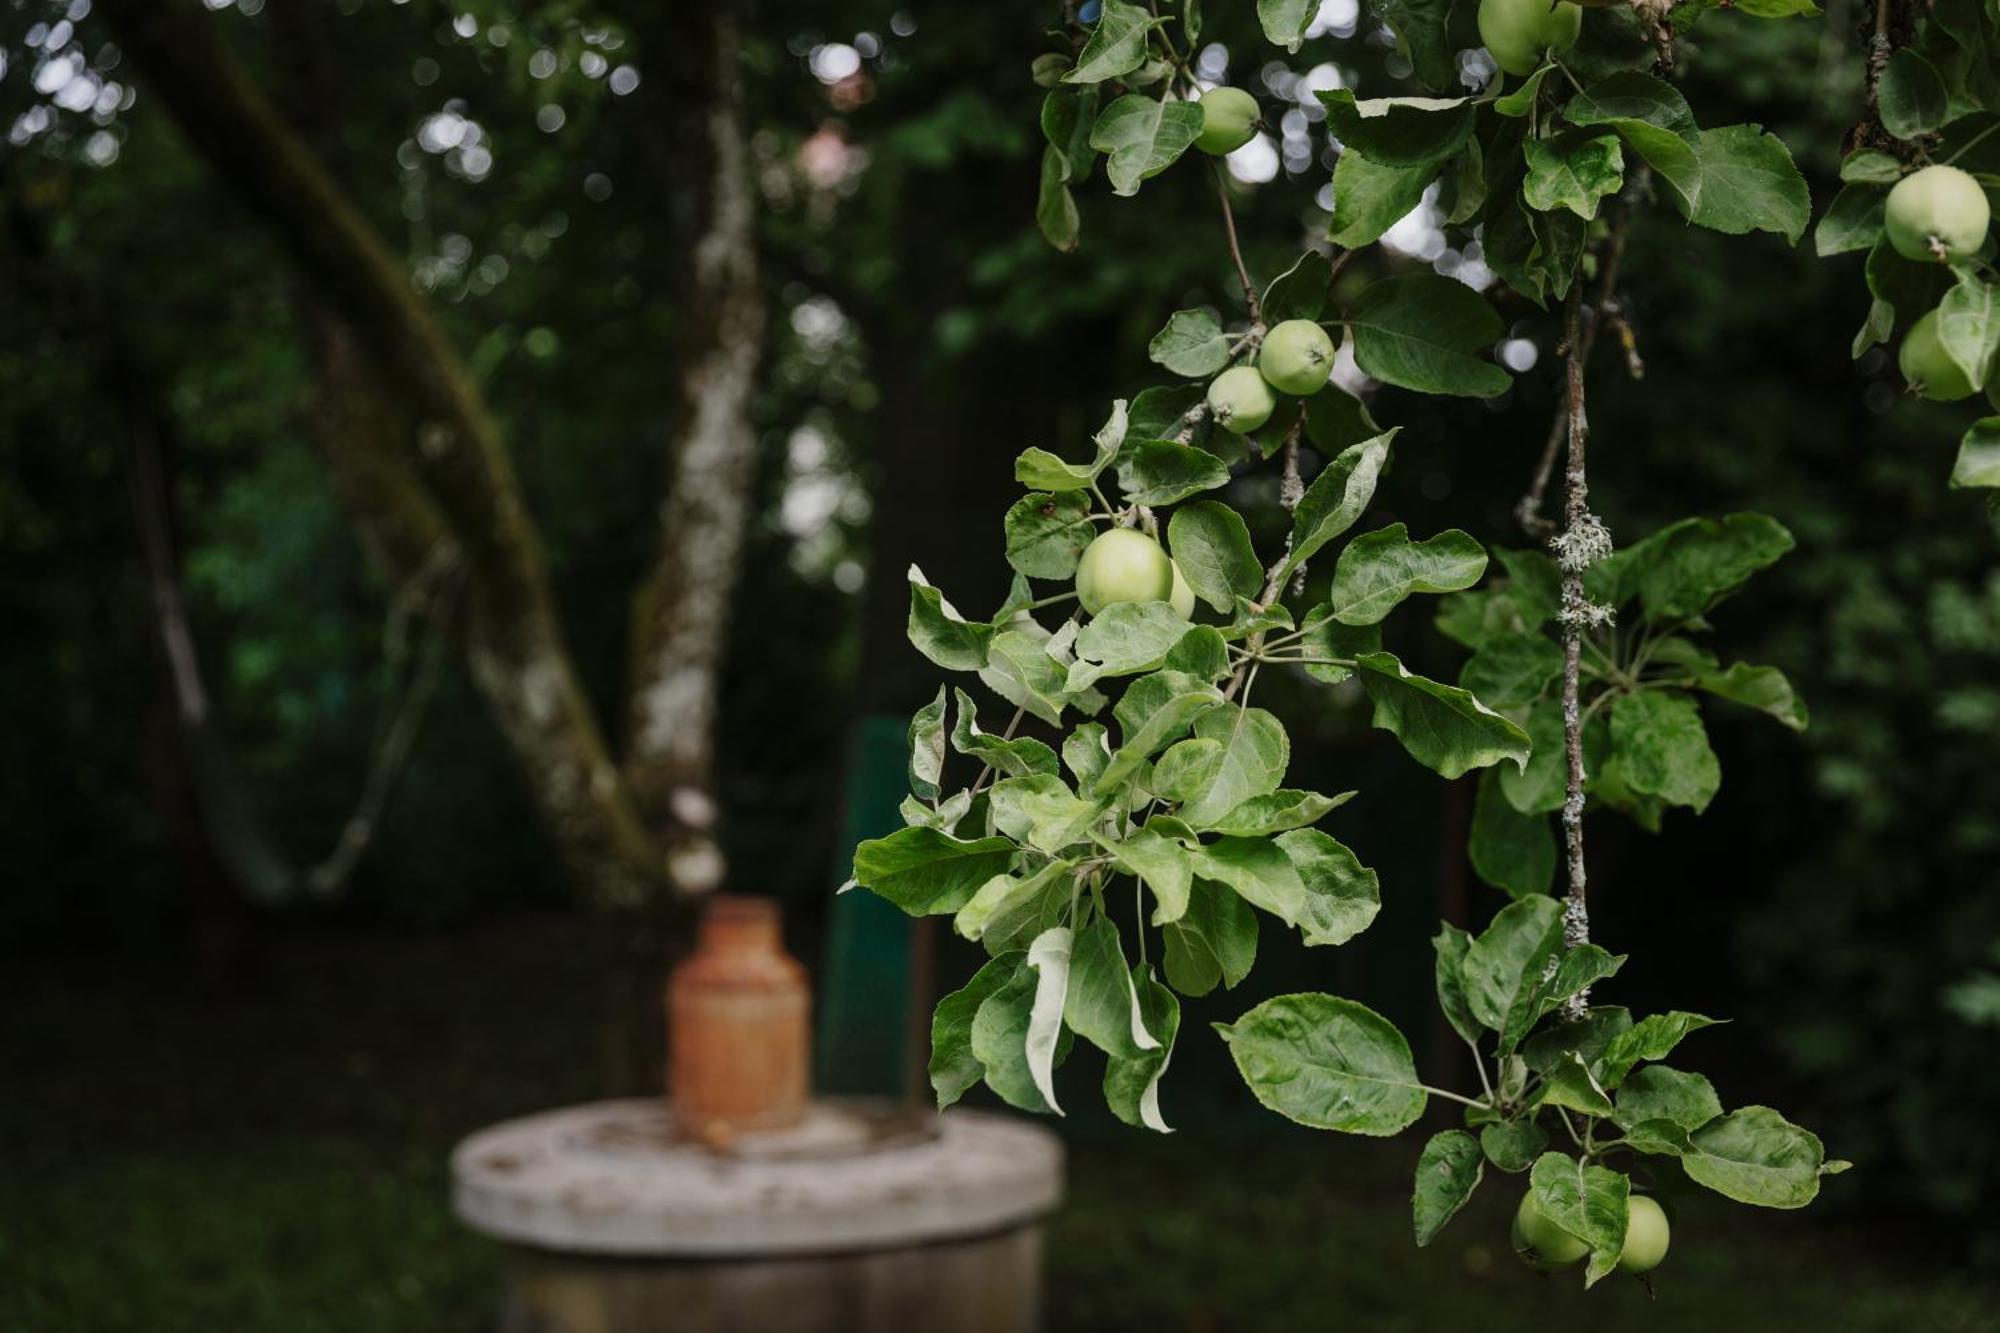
{"x": 1141, "y": 137}
{"x": 1969, "y": 327}
{"x": 1336, "y": 499}
{"x": 1132, "y": 1086}
{"x": 1327, "y": 1062}
{"x": 1049, "y": 957}
{"x": 1978, "y": 462}
{"x": 926, "y": 736}
{"x": 940, "y": 633}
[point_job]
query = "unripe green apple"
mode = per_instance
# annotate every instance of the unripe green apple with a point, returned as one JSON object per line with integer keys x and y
{"x": 1123, "y": 565}
{"x": 1182, "y": 597}
{"x": 1938, "y": 204}
{"x": 1646, "y": 1234}
{"x": 1927, "y": 366}
{"x": 1296, "y": 357}
{"x": 1517, "y": 32}
{"x": 1228, "y": 119}
{"x": 1540, "y": 1242}
{"x": 1240, "y": 399}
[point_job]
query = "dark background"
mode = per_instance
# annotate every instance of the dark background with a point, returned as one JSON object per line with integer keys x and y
{"x": 226, "y": 1113}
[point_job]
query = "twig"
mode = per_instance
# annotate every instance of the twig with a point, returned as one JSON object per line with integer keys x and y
{"x": 1236, "y": 250}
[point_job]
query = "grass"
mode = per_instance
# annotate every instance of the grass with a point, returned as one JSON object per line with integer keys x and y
{"x": 276, "y": 1161}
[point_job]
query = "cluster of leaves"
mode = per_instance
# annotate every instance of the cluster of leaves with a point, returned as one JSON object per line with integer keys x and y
{"x": 1938, "y": 102}
{"x": 1645, "y": 747}
{"x": 1182, "y": 799}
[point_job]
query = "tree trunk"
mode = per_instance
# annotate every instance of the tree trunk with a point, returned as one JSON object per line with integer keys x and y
{"x": 680, "y": 614}
{"x": 512, "y": 643}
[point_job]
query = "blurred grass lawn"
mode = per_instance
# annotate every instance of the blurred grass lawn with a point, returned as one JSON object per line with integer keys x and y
{"x": 275, "y": 1162}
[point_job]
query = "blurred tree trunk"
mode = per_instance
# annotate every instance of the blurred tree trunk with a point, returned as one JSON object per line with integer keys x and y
{"x": 680, "y": 612}
{"x": 453, "y": 465}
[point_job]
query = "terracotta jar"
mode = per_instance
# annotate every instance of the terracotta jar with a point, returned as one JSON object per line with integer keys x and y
{"x": 738, "y": 1023}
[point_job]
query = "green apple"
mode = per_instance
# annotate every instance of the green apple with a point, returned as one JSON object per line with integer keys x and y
{"x": 1182, "y": 597}
{"x": 1927, "y": 366}
{"x": 1240, "y": 399}
{"x": 1540, "y": 1242}
{"x": 1228, "y": 120}
{"x": 1517, "y": 33}
{"x": 1937, "y": 215}
{"x": 1645, "y": 1235}
{"x": 1296, "y": 357}
{"x": 1123, "y": 565}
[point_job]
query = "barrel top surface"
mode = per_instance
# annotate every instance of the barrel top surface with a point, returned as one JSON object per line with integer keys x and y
{"x": 612, "y": 1178}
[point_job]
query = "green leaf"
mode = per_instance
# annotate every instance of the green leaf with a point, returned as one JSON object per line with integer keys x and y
{"x": 1014, "y": 758}
{"x": 1020, "y": 670}
{"x": 1258, "y": 870}
{"x": 1159, "y": 412}
{"x": 1589, "y": 1202}
{"x": 1132, "y": 1086}
{"x": 926, "y": 872}
{"x": 1504, "y": 968}
{"x": 1749, "y": 183}
{"x": 1853, "y": 221}
{"x": 1588, "y": 1036}
{"x": 1336, "y": 499}
{"x": 1067, "y": 114}
{"x": 1021, "y": 918}
{"x": 1192, "y": 344}
{"x": 1756, "y": 1156}
{"x": 1274, "y": 812}
{"x": 1255, "y": 751}
{"x": 926, "y": 736}
{"x": 1512, "y": 669}
{"x": 953, "y": 1066}
{"x": 1513, "y": 1145}
{"x": 1102, "y": 1004}
{"x": 1000, "y": 1038}
{"x": 1163, "y": 863}
{"x": 1662, "y": 748}
{"x": 1381, "y": 568}
{"x": 1185, "y": 769}
{"x": 1871, "y": 166}
{"x": 1041, "y": 811}
{"x": 1911, "y": 96}
{"x": 1005, "y": 897}
{"x": 1211, "y": 544}
{"x": 1763, "y": 688}
{"x": 1160, "y": 472}
{"x": 1369, "y": 198}
{"x": 1522, "y": 100}
{"x": 1579, "y": 969}
{"x": 1056, "y": 216}
{"x": 1651, "y": 1038}
{"x": 1539, "y": 786}
{"x": 1659, "y": 1092}
{"x": 1215, "y": 940}
{"x": 1451, "y": 946}
{"x": 1570, "y": 1084}
{"x": 1154, "y": 710}
{"x": 1040, "y": 470}
{"x": 1342, "y": 896}
{"x": 1421, "y": 333}
{"x": 1141, "y": 138}
{"x": 1117, "y": 44}
{"x": 1912, "y": 288}
{"x": 1399, "y": 131}
{"x": 1978, "y": 456}
{"x": 1687, "y": 567}
{"x": 1046, "y": 533}
{"x": 1447, "y": 1173}
{"x": 1300, "y": 291}
{"x": 1328, "y": 1063}
{"x": 1513, "y": 852}
{"x": 1653, "y": 119}
{"x": 1421, "y": 30}
{"x": 1442, "y": 726}
{"x": 1086, "y": 752}
{"x": 1969, "y": 327}
{"x": 1285, "y": 21}
{"x": 1337, "y": 420}
{"x": 1126, "y": 637}
{"x": 1881, "y": 322}
{"x": 940, "y": 633}
{"x": 1573, "y": 170}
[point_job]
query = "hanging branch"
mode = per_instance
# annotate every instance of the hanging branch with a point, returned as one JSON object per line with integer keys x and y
{"x": 1582, "y": 543}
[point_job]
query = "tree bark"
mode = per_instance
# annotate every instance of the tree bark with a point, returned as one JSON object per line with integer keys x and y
{"x": 680, "y": 613}
{"x": 513, "y": 645}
